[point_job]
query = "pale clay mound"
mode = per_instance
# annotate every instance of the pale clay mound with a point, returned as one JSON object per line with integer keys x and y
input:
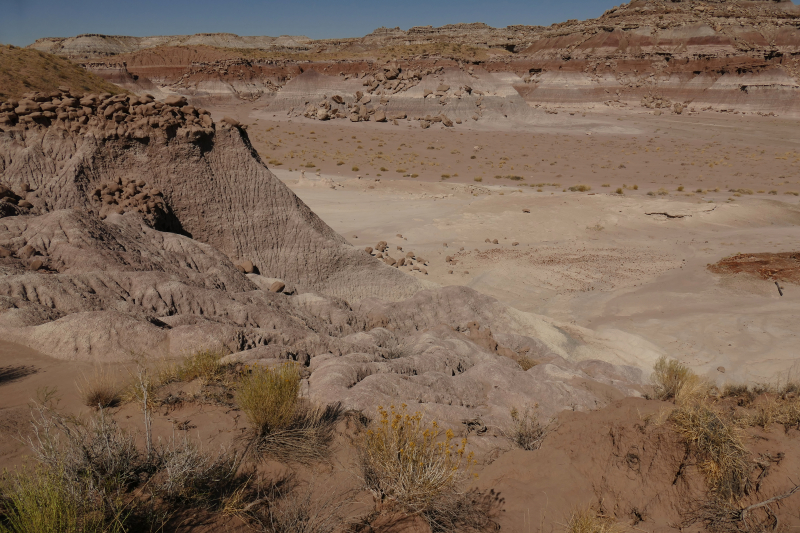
{"x": 119, "y": 239}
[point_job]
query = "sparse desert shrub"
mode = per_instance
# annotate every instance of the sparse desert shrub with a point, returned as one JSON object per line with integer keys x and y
{"x": 188, "y": 475}
{"x": 635, "y": 187}
{"x": 414, "y": 175}
{"x": 680, "y": 188}
{"x": 620, "y": 191}
{"x": 472, "y": 157}
{"x": 590, "y": 521}
{"x": 741, "y": 191}
{"x": 354, "y": 169}
{"x": 663, "y": 192}
{"x": 401, "y": 171}
{"x": 773, "y": 192}
{"x": 309, "y": 165}
{"x": 307, "y": 437}
{"x": 384, "y": 169}
{"x": 268, "y": 396}
{"x": 411, "y": 464}
{"x": 526, "y": 430}
{"x": 339, "y": 163}
{"x": 794, "y": 193}
{"x": 203, "y": 364}
{"x": 675, "y": 381}
{"x": 293, "y": 511}
{"x": 699, "y": 191}
{"x": 742, "y": 393}
{"x": 580, "y": 188}
{"x": 479, "y": 179}
{"x": 651, "y": 193}
{"x": 275, "y": 162}
{"x": 101, "y": 389}
{"x": 606, "y": 185}
{"x": 445, "y": 176}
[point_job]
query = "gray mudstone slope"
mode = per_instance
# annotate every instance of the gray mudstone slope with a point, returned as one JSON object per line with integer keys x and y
{"x": 119, "y": 240}
{"x": 214, "y": 187}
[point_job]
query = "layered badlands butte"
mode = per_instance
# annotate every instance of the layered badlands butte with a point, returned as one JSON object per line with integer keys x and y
{"x": 463, "y": 219}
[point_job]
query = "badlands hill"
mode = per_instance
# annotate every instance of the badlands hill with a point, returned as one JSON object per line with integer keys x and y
{"x": 23, "y": 70}
{"x": 722, "y": 55}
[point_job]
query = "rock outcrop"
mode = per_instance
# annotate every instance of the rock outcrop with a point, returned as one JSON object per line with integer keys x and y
{"x": 718, "y": 55}
{"x": 170, "y": 163}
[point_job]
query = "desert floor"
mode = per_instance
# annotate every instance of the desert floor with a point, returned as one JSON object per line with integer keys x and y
{"x": 630, "y": 268}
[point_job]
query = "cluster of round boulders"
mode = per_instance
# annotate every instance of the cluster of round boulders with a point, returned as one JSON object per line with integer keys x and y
{"x": 29, "y": 256}
{"x": 109, "y": 115}
{"x": 358, "y": 111}
{"x": 16, "y": 203}
{"x": 410, "y": 261}
{"x": 388, "y": 80}
{"x": 129, "y": 195}
{"x": 428, "y": 120}
{"x": 392, "y": 79}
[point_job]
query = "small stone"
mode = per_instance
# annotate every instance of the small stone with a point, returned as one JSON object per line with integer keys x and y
{"x": 368, "y": 249}
{"x": 5, "y": 252}
{"x": 495, "y": 241}
{"x": 526, "y": 210}
{"x": 721, "y": 369}
{"x": 514, "y": 244}
{"x": 36, "y": 264}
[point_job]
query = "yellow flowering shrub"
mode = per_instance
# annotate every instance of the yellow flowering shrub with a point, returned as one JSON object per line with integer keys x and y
{"x": 410, "y": 463}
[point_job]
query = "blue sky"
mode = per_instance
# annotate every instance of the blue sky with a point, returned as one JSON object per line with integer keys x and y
{"x": 24, "y": 21}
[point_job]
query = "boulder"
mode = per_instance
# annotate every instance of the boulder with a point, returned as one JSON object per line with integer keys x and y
{"x": 379, "y": 116}
{"x": 176, "y": 101}
{"x": 248, "y": 267}
{"x": 277, "y": 286}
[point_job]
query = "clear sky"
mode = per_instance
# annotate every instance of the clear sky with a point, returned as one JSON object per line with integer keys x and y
{"x": 24, "y": 21}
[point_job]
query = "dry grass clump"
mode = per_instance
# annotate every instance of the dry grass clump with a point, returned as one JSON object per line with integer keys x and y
{"x": 793, "y": 193}
{"x": 580, "y": 188}
{"x": 38, "y": 499}
{"x": 268, "y": 396}
{"x": 479, "y": 179}
{"x": 590, "y": 521}
{"x": 606, "y": 185}
{"x": 718, "y": 443}
{"x": 675, "y": 381}
{"x": 283, "y": 427}
{"x": 526, "y": 431}
{"x": 414, "y": 466}
{"x": 680, "y": 188}
{"x": 203, "y": 364}
{"x": 741, "y": 191}
{"x": 354, "y": 169}
{"x": 101, "y": 389}
{"x": 620, "y": 191}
